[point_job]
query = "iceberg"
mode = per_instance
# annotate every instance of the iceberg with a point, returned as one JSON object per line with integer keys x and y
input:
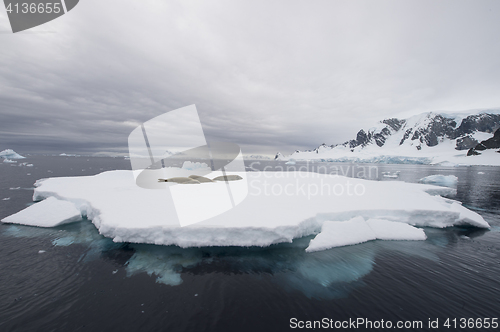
{"x": 280, "y": 207}
{"x": 390, "y": 175}
{"x": 357, "y": 230}
{"x": 8, "y": 161}
{"x": 441, "y": 180}
{"x": 192, "y": 166}
{"x": 10, "y": 154}
{"x": 47, "y": 213}
{"x": 257, "y": 157}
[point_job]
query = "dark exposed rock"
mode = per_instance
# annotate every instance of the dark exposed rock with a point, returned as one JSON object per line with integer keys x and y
{"x": 380, "y": 138}
{"x": 438, "y": 126}
{"x": 394, "y": 123}
{"x": 472, "y": 152}
{"x": 362, "y": 138}
{"x": 486, "y": 123}
{"x": 466, "y": 143}
{"x": 405, "y": 136}
{"x": 490, "y": 143}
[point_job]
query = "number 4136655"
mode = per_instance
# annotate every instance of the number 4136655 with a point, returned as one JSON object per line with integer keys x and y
{"x": 32, "y": 8}
{"x": 471, "y": 323}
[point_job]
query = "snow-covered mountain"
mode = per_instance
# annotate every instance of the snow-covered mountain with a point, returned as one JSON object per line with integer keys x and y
{"x": 425, "y": 138}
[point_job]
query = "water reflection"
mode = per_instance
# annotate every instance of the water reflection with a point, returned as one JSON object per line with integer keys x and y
{"x": 326, "y": 274}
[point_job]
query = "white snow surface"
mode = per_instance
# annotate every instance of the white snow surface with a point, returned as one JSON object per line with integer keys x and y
{"x": 357, "y": 230}
{"x": 10, "y": 154}
{"x": 279, "y": 207}
{"x": 441, "y": 180}
{"x": 50, "y": 212}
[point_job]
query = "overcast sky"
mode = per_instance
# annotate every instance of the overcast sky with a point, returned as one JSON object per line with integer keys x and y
{"x": 268, "y": 75}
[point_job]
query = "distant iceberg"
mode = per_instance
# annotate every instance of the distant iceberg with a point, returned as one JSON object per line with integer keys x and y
{"x": 440, "y": 180}
{"x": 280, "y": 207}
{"x": 10, "y": 154}
{"x": 191, "y": 166}
{"x": 390, "y": 175}
{"x": 257, "y": 157}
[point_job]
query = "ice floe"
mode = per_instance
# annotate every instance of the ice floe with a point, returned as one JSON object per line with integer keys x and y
{"x": 357, "y": 230}
{"x": 279, "y": 207}
{"x": 441, "y": 180}
{"x": 390, "y": 175}
{"x": 47, "y": 213}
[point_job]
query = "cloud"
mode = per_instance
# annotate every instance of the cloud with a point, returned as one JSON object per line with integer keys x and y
{"x": 268, "y": 76}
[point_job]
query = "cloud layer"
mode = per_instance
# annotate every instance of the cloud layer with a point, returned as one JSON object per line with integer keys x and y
{"x": 267, "y": 75}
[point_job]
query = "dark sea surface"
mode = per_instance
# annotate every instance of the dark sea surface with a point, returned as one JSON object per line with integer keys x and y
{"x": 70, "y": 278}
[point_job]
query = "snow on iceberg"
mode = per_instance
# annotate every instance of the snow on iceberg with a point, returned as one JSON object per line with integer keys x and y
{"x": 280, "y": 206}
{"x": 47, "y": 213}
{"x": 10, "y": 154}
{"x": 357, "y": 230}
{"x": 440, "y": 180}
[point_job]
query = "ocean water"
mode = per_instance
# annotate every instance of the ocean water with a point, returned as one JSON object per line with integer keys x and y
{"x": 70, "y": 278}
